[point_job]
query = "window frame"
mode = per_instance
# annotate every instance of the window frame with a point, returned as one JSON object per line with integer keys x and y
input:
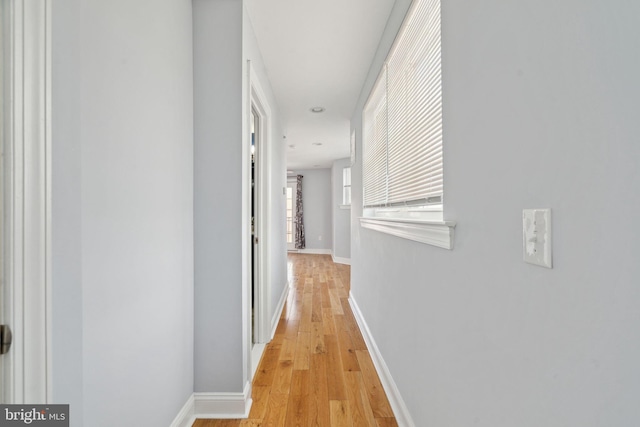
{"x": 291, "y": 183}
{"x": 422, "y": 221}
{"x": 346, "y": 171}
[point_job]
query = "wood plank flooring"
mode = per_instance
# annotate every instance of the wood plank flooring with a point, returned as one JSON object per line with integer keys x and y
{"x": 317, "y": 371}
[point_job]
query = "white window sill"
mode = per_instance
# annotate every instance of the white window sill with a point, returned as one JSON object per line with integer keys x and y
{"x": 345, "y": 206}
{"x": 435, "y": 233}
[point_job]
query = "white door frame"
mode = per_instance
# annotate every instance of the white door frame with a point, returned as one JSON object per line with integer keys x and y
{"x": 27, "y": 221}
{"x": 293, "y": 182}
{"x": 257, "y": 100}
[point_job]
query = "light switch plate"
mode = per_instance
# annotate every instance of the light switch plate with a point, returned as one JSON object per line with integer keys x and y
{"x": 536, "y": 236}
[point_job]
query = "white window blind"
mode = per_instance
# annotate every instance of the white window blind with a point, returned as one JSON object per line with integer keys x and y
{"x": 375, "y": 144}
{"x": 402, "y": 147}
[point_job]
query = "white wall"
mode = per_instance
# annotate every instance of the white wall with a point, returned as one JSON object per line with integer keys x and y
{"x": 540, "y": 110}
{"x": 218, "y": 130}
{"x": 316, "y": 203}
{"x": 277, "y": 180}
{"x": 341, "y": 217}
{"x": 67, "y": 289}
{"x": 223, "y": 42}
{"x": 123, "y": 210}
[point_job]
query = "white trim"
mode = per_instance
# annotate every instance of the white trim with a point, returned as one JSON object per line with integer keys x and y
{"x": 256, "y": 355}
{"x": 186, "y": 416}
{"x": 214, "y": 406}
{"x": 258, "y": 99}
{"x": 344, "y": 206}
{"x": 435, "y": 233}
{"x": 223, "y": 405}
{"x": 28, "y": 210}
{"x": 339, "y": 260}
{"x": 254, "y": 96}
{"x": 246, "y": 229}
{"x": 258, "y": 348}
{"x": 276, "y": 315}
{"x": 293, "y": 184}
{"x": 403, "y": 417}
{"x": 315, "y": 251}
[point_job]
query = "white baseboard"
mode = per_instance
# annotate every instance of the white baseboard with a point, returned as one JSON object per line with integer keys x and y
{"x": 214, "y": 406}
{"x": 256, "y": 354}
{"x": 339, "y": 260}
{"x": 315, "y": 251}
{"x": 276, "y": 315}
{"x": 403, "y": 417}
{"x": 185, "y": 417}
{"x": 258, "y": 349}
{"x": 223, "y": 405}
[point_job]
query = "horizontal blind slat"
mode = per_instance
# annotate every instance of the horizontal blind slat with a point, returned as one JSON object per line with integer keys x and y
{"x": 409, "y": 151}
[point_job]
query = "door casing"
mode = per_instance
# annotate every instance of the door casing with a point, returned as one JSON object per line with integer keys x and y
{"x": 26, "y": 181}
{"x": 257, "y": 101}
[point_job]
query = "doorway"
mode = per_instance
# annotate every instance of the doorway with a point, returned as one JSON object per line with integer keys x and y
{"x": 258, "y": 192}
{"x": 255, "y": 241}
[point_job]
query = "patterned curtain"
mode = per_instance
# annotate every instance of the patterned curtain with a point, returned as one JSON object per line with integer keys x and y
{"x": 300, "y": 241}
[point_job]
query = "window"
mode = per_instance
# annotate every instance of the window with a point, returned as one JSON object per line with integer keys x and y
{"x": 346, "y": 186}
{"x": 402, "y": 127}
{"x": 290, "y": 214}
{"x": 292, "y": 187}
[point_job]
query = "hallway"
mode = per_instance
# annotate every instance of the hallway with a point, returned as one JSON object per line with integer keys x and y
{"x": 317, "y": 370}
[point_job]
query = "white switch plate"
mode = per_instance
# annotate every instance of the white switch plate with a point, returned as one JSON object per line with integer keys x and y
{"x": 536, "y": 236}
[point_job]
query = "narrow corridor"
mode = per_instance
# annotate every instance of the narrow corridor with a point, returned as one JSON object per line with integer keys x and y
{"x": 317, "y": 370}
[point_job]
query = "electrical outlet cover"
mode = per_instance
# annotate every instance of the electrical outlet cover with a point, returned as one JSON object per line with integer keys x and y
{"x": 536, "y": 233}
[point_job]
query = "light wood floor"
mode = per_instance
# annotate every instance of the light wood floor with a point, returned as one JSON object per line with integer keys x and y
{"x": 317, "y": 370}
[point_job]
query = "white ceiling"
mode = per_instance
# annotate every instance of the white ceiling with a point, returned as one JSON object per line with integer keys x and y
{"x": 317, "y": 53}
